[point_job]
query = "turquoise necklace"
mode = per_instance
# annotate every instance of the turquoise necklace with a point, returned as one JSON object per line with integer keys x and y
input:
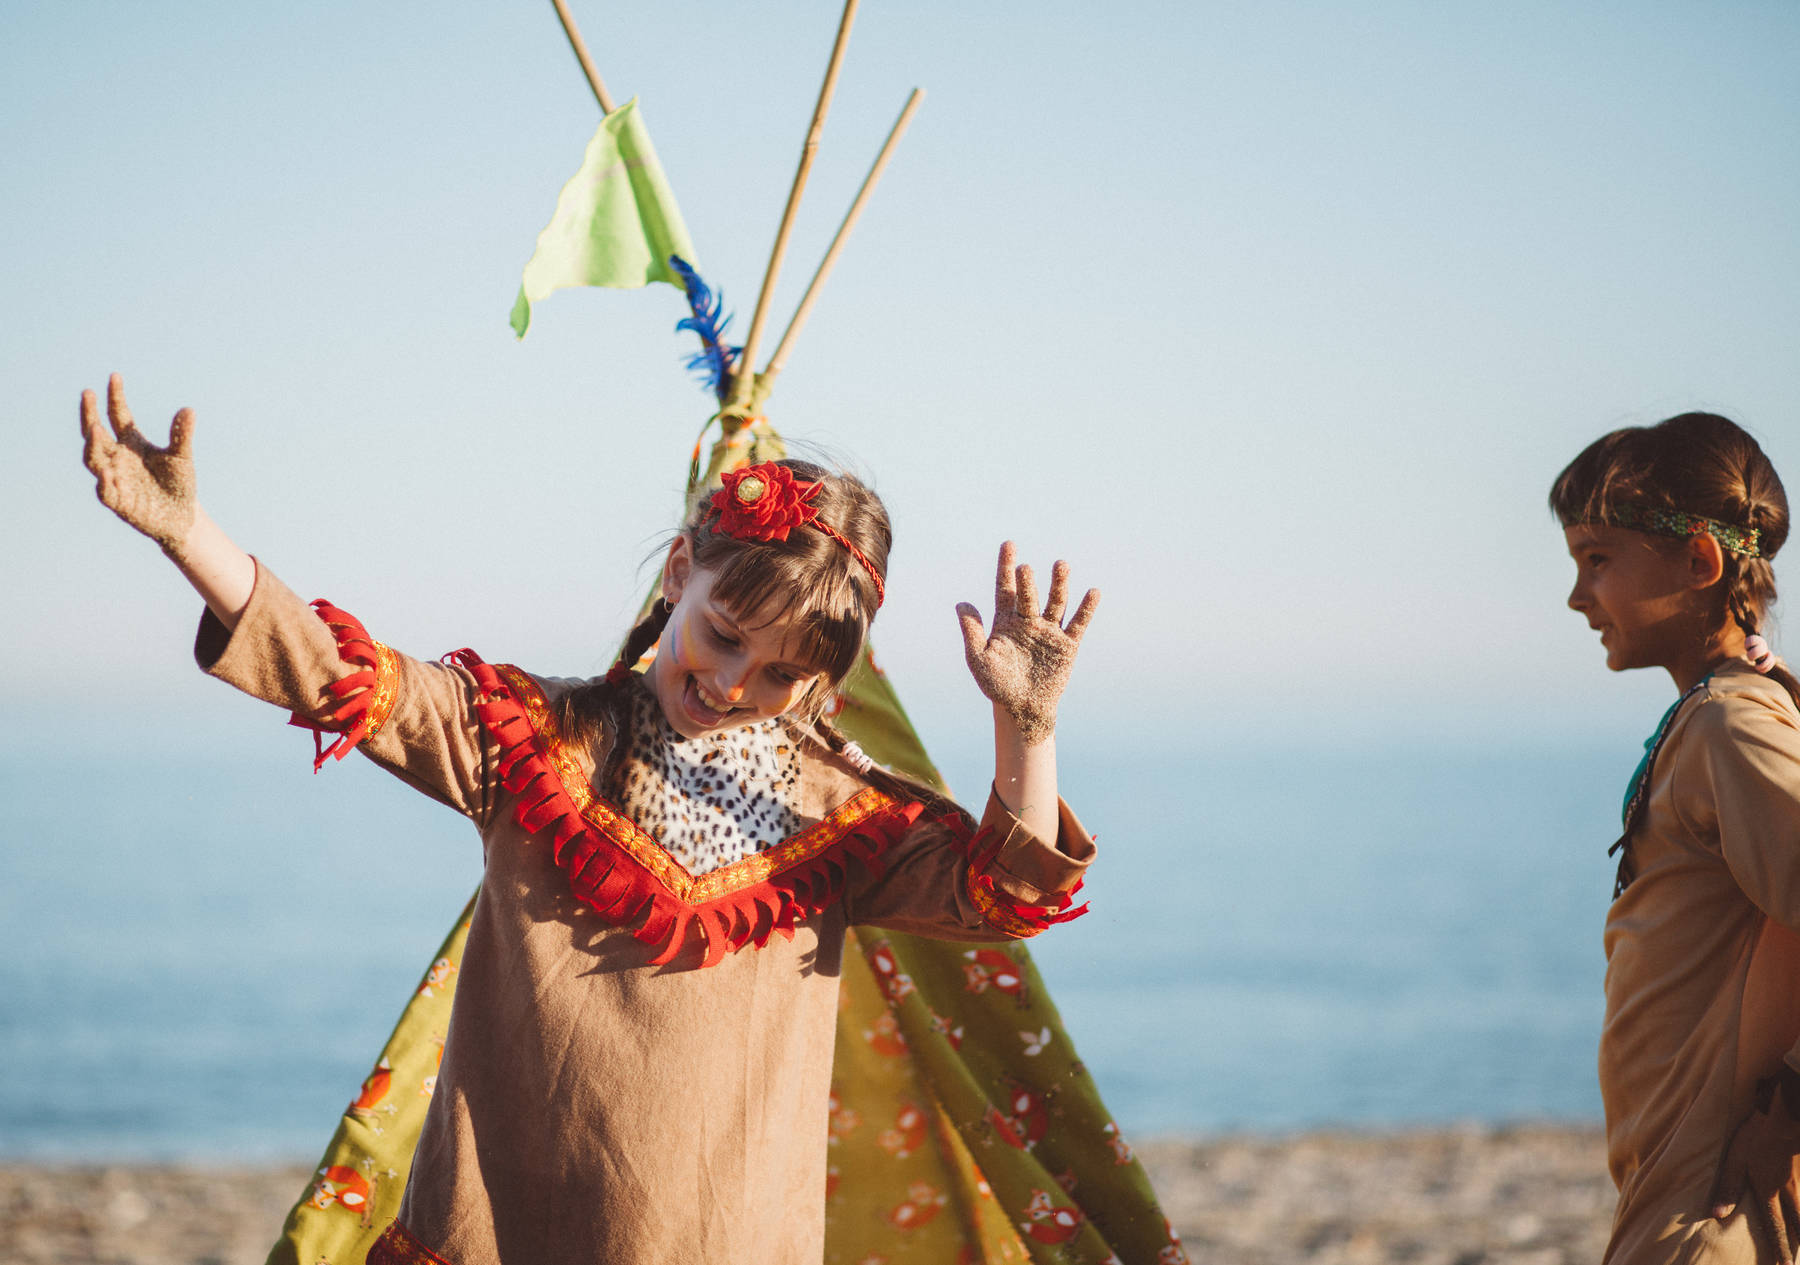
{"x": 1637, "y": 791}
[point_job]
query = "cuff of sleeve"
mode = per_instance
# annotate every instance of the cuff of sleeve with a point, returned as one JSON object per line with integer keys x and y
{"x": 239, "y": 656}
{"x": 1025, "y": 866}
{"x": 315, "y": 660}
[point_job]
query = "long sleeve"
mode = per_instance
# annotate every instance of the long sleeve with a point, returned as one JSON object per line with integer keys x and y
{"x": 1000, "y": 883}
{"x": 1747, "y": 782}
{"x": 416, "y": 719}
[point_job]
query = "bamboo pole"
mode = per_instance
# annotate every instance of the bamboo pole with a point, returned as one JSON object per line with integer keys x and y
{"x": 766, "y": 379}
{"x": 744, "y": 380}
{"x": 581, "y": 55}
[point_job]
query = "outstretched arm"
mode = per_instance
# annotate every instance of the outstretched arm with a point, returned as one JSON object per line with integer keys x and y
{"x": 152, "y": 490}
{"x": 1022, "y": 664}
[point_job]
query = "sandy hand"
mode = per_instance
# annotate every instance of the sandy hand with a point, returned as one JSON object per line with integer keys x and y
{"x": 151, "y": 488}
{"x": 1023, "y": 664}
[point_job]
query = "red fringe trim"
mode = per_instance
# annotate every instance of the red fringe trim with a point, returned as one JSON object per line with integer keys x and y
{"x": 397, "y": 1246}
{"x": 614, "y": 884}
{"x": 1001, "y": 911}
{"x": 364, "y": 699}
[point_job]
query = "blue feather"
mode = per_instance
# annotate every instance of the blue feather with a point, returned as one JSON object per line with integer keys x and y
{"x": 715, "y": 359}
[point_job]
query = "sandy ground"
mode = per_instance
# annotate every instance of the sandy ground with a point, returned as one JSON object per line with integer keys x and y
{"x": 1522, "y": 1196}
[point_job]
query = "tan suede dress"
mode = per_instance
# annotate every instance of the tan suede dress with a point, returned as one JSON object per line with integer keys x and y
{"x": 1703, "y": 969}
{"x": 595, "y": 1104}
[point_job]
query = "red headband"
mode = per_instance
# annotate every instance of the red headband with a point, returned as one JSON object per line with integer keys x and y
{"x": 766, "y": 502}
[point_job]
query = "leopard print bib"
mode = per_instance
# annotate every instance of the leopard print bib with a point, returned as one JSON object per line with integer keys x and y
{"x": 711, "y": 800}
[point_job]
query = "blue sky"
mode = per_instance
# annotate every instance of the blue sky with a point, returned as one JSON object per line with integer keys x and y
{"x": 1275, "y": 319}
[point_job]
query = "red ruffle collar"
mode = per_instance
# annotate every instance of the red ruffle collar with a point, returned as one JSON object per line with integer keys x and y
{"x": 623, "y": 874}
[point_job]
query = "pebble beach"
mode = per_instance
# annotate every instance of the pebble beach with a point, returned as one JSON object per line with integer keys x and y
{"x": 1523, "y": 1195}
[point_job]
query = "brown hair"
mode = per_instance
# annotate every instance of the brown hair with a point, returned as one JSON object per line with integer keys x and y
{"x": 809, "y": 574}
{"x": 1697, "y": 463}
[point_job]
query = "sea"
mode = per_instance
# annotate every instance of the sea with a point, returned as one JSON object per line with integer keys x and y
{"x": 205, "y": 945}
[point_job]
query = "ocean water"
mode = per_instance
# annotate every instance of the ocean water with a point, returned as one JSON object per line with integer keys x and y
{"x": 203, "y": 952}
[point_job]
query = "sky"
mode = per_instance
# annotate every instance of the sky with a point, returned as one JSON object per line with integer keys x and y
{"x": 1275, "y": 319}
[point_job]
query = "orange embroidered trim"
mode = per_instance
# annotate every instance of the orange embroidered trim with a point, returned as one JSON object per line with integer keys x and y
{"x": 397, "y": 1246}
{"x": 992, "y": 912}
{"x": 643, "y": 847}
{"x": 387, "y": 688}
{"x": 622, "y": 874}
{"x": 1017, "y": 919}
{"x": 362, "y": 700}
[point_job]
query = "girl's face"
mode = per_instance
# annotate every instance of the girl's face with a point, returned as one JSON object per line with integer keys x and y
{"x": 1644, "y": 595}
{"x": 716, "y": 669}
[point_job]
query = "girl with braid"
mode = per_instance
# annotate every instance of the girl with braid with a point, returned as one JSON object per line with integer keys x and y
{"x": 1672, "y": 528}
{"x": 639, "y": 1054}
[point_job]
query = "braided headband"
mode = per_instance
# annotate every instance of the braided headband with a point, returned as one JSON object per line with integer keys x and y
{"x": 766, "y": 502}
{"x": 1681, "y": 524}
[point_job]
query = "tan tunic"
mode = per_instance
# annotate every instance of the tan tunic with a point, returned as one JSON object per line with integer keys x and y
{"x": 1703, "y": 968}
{"x": 592, "y": 1107}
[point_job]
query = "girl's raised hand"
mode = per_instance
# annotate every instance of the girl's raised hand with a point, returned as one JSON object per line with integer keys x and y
{"x": 1024, "y": 662}
{"x": 151, "y": 488}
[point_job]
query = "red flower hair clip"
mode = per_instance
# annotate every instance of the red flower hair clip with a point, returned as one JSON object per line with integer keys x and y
{"x": 766, "y": 502}
{"x": 763, "y": 502}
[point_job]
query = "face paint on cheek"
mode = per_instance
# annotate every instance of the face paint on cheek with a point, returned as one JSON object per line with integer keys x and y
{"x": 676, "y": 646}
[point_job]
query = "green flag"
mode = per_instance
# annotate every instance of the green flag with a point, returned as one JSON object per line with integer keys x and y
{"x": 616, "y": 223}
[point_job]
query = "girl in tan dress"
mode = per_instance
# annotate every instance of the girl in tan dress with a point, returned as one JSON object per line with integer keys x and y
{"x": 639, "y": 1055}
{"x": 1672, "y": 528}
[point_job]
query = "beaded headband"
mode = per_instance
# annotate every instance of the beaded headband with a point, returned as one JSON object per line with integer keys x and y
{"x": 766, "y": 502}
{"x": 1681, "y": 524}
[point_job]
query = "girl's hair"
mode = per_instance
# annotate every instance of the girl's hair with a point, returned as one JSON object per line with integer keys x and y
{"x": 810, "y": 575}
{"x": 1697, "y": 463}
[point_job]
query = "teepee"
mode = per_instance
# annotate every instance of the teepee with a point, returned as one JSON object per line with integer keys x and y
{"x": 962, "y": 1126}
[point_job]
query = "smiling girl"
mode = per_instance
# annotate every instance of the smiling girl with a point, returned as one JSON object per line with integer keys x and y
{"x": 640, "y": 1050}
{"x": 1672, "y": 528}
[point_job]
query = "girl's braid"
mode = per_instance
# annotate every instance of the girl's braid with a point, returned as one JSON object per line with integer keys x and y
{"x": 899, "y": 785}
{"x": 1750, "y": 582}
{"x": 617, "y": 682}
{"x": 1737, "y": 597}
{"x": 600, "y": 710}
{"x": 648, "y": 632}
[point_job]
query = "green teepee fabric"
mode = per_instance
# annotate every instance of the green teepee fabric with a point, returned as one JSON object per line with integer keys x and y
{"x": 355, "y": 1190}
{"x": 1029, "y": 1135}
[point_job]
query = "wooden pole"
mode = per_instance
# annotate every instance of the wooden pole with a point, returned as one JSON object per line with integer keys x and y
{"x": 744, "y": 380}
{"x": 766, "y": 378}
{"x": 581, "y": 55}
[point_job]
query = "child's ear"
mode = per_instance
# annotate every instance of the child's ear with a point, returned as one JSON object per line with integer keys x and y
{"x": 676, "y": 569}
{"x": 1705, "y": 560}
